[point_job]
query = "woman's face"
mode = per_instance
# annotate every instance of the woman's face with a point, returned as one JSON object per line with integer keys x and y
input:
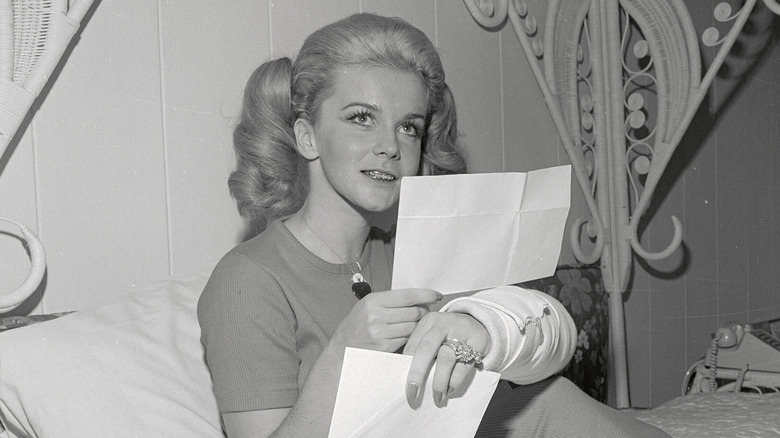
{"x": 368, "y": 136}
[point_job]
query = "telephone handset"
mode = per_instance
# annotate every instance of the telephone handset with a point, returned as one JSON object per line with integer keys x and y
{"x": 728, "y": 335}
{"x": 750, "y": 346}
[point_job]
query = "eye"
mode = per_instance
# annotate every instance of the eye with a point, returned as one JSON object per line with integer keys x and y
{"x": 410, "y": 128}
{"x": 361, "y": 118}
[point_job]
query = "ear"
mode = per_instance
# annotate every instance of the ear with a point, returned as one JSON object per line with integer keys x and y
{"x": 304, "y": 139}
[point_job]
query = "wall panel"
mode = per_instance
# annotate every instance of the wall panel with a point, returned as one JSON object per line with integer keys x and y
{"x": 419, "y": 14}
{"x": 100, "y": 161}
{"x": 471, "y": 59}
{"x": 293, "y": 20}
{"x": 528, "y": 125}
{"x": 208, "y": 53}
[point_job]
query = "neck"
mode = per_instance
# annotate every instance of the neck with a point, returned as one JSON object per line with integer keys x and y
{"x": 336, "y": 237}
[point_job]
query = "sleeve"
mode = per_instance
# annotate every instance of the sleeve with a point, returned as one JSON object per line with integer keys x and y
{"x": 532, "y": 334}
{"x": 248, "y": 331}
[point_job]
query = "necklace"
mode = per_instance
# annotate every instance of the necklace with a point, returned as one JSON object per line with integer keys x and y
{"x": 359, "y": 285}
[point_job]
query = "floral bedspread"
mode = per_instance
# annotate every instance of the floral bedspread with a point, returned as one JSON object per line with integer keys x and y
{"x": 716, "y": 415}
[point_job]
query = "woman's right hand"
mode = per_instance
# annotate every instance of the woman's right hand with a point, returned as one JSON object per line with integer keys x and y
{"x": 383, "y": 321}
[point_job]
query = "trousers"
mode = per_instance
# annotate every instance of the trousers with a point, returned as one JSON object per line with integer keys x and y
{"x": 556, "y": 408}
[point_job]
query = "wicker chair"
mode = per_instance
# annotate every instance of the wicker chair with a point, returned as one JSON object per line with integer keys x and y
{"x": 33, "y": 36}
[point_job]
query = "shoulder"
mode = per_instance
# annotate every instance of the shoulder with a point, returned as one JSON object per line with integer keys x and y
{"x": 246, "y": 276}
{"x": 236, "y": 285}
{"x": 261, "y": 254}
{"x": 265, "y": 245}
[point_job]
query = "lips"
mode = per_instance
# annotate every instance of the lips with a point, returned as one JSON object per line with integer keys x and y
{"x": 379, "y": 176}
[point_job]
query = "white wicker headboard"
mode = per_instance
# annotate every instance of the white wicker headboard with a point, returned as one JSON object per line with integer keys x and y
{"x": 594, "y": 72}
{"x": 33, "y": 37}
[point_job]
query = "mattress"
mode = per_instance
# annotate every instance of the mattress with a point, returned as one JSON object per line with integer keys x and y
{"x": 716, "y": 415}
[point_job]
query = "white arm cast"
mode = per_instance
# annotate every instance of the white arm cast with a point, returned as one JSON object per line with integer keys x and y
{"x": 532, "y": 334}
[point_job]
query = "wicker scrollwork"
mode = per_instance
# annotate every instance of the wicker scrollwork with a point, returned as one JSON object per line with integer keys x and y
{"x": 622, "y": 80}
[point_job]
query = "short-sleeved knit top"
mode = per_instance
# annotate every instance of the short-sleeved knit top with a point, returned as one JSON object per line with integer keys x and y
{"x": 269, "y": 309}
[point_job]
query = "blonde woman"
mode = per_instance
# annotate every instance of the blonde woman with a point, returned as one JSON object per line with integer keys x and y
{"x": 322, "y": 146}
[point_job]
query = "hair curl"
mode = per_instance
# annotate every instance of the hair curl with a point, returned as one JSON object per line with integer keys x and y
{"x": 271, "y": 178}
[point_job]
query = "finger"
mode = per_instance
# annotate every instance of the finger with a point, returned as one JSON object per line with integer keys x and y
{"x": 427, "y": 322}
{"x": 392, "y": 345}
{"x": 408, "y": 297}
{"x": 445, "y": 364}
{"x": 458, "y": 379}
{"x": 424, "y": 353}
{"x": 406, "y": 314}
{"x": 400, "y": 330}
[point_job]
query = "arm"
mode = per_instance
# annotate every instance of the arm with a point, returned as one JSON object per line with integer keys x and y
{"x": 247, "y": 424}
{"x": 381, "y": 321}
{"x": 309, "y": 416}
{"x": 524, "y": 334}
{"x": 238, "y": 321}
{"x": 532, "y": 335}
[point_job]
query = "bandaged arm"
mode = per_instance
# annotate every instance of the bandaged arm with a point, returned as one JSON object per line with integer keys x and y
{"x": 532, "y": 335}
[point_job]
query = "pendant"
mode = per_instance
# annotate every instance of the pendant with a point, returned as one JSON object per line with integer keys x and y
{"x": 361, "y": 289}
{"x": 359, "y": 286}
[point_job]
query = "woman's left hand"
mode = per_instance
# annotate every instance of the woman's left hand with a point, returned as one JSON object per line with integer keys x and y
{"x": 426, "y": 344}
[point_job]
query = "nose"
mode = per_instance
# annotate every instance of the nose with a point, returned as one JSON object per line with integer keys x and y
{"x": 387, "y": 145}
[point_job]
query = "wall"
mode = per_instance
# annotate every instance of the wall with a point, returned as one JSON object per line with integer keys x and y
{"x": 122, "y": 168}
{"x": 723, "y": 185}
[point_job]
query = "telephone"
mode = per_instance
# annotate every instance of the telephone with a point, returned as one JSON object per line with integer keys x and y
{"x": 747, "y": 346}
{"x": 740, "y": 357}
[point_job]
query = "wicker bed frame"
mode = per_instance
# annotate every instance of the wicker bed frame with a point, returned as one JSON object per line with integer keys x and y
{"x": 33, "y": 37}
{"x": 589, "y": 76}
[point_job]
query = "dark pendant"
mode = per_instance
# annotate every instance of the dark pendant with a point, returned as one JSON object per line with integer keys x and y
{"x": 361, "y": 289}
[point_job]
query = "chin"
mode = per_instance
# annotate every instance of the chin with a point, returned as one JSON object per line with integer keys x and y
{"x": 377, "y": 201}
{"x": 379, "y": 206}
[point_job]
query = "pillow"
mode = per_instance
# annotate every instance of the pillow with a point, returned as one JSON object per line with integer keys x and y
{"x": 134, "y": 368}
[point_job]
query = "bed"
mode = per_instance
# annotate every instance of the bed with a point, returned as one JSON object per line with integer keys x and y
{"x": 741, "y": 399}
{"x": 717, "y": 415}
{"x": 137, "y": 365}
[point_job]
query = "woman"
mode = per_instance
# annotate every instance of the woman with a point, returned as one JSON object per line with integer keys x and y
{"x": 322, "y": 146}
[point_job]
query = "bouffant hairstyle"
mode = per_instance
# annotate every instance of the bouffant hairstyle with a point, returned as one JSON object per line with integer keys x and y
{"x": 271, "y": 178}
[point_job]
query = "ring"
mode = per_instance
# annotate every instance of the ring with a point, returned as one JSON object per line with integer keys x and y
{"x": 464, "y": 353}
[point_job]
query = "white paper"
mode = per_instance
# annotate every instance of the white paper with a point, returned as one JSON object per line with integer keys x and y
{"x": 371, "y": 400}
{"x": 459, "y": 233}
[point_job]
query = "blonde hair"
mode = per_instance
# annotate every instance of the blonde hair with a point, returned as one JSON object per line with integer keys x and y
{"x": 271, "y": 179}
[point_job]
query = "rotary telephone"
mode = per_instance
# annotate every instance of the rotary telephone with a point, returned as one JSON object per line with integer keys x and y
{"x": 753, "y": 346}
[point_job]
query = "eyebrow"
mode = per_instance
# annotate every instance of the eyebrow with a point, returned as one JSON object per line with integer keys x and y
{"x": 376, "y": 108}
{"x": 370, "y": 106}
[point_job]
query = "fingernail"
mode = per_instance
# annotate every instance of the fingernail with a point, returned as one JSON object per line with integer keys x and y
{"x": 450, "y": 390}
{"x": 439, "y": 296}
{"x": 411, "y": 391}
{"x": 437, "y": 397}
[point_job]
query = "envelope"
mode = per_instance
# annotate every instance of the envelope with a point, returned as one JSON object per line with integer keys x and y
{"x": 371, "y": 400}
{"x": 459, "y": 233}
